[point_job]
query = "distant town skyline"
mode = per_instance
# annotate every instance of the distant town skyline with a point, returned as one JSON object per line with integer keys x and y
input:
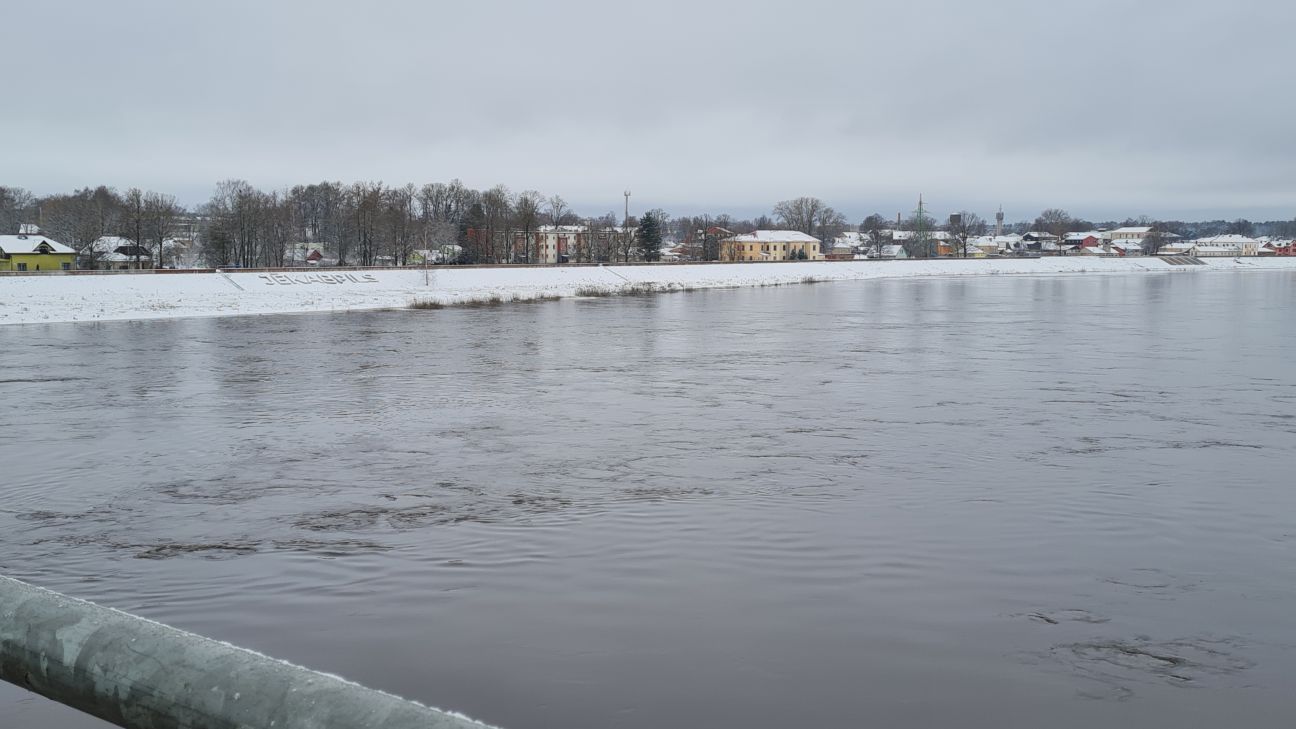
{"x": 854, "y": 212}
{"x": 1107, "y": 109}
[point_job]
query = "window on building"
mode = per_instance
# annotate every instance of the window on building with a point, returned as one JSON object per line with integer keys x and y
{"x": 22, "y": 266}
{"x": 67, "y": 266}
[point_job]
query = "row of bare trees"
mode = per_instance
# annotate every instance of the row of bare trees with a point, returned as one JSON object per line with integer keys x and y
{"x": 368, "y": 223}
{"x": 78, "y": 219}
{"x": 810, "y": 216}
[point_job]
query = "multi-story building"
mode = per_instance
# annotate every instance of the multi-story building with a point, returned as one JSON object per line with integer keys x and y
{"x": 771, "y": 245}
{"x": 1136, "y": 232}
{"x": 559, "y": 243}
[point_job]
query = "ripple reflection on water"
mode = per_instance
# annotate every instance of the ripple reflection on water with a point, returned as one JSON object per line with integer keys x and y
{"x": 907, "y": 503}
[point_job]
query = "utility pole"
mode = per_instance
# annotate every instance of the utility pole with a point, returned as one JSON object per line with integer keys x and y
{"x": 920, "y": 230}
{"x": 625, "y": 228}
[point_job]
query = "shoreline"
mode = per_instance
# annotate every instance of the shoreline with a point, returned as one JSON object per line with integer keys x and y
{"x": 140, "y": 296}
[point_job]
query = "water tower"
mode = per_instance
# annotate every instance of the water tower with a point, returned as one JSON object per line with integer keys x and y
{"x": 999, "y": 222}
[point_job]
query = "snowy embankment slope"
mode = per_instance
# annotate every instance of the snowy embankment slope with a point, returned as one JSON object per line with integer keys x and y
{"x": 58, "y": 298}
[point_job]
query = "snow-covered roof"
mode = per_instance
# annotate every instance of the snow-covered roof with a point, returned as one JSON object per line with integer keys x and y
{"x": 29, "y": 244}
{"x": 1127, "y": 244}
{"x": 857, "y": 238}
{"x": 775, "y": 236}
{"x": 931, "y": 235}
{"x": 996, "y": 241}
{"x": 1082, "y": 236}
{"x": 108, "y": 244}
{"x": 1231, "y": 239}
{"x": 1139, "y": 229}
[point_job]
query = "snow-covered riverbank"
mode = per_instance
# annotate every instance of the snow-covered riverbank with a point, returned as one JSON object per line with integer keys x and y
{"x": 59, "y": 298}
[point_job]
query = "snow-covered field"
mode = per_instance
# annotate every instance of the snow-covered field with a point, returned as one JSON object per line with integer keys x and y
{"x": 58, "y": 298}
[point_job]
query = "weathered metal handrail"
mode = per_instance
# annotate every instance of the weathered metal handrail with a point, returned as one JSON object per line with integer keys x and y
{"x": 140, "y": 674}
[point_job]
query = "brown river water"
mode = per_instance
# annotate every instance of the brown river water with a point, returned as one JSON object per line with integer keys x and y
{"x": 997, "y": 502}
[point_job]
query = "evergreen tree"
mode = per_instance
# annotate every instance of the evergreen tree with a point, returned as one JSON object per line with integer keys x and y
{"x": 649, "y": 237}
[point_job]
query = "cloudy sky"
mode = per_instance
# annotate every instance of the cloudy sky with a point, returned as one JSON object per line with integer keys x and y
{"x": 1108, "y": 108}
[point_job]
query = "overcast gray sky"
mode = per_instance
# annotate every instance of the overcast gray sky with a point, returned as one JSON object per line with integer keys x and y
{"x": 1106, "y": 108}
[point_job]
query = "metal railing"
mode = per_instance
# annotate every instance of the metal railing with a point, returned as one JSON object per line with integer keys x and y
{"x": 140, "y": 674}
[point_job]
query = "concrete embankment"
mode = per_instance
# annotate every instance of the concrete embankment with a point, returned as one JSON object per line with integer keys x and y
{"x": 26, "y": 299}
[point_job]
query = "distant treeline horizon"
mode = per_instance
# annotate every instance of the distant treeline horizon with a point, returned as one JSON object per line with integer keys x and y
{"x": 363, "y": 221}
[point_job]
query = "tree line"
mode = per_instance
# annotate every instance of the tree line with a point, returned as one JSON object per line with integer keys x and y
{"x": 80, "y": 218}
{"x": 371, "y": 223}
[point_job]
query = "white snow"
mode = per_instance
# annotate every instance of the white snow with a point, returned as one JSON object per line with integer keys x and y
{"x": 26, "y": 299}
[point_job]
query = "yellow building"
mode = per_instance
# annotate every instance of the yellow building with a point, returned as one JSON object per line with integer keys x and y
{"x": 771, "y": 245}
{"x": 34, "y": 253}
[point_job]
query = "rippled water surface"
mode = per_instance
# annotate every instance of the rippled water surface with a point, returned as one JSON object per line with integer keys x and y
{"x": 1005, "y": 502}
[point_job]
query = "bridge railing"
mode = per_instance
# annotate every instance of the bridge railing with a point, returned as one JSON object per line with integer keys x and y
{"x": 140, "y": 674}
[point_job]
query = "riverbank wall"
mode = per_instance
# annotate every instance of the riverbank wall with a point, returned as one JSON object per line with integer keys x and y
{"x": 29, "y": 299}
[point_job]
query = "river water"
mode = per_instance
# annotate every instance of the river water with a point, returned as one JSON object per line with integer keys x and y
{"x": 1000, "y": 502}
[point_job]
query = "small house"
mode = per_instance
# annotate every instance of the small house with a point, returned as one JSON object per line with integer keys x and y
{"x": 28, "y": 252}
{"x": 115, "y": 253}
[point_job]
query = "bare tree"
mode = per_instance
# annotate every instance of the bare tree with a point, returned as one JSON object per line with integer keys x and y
{"x": 160, "y": 213}
{"x": 318, "y": 212}
{"x": 400, "y": 222}
{"x": 235, "y": 224}
{"x": 558, "y": 209}
{"x": 873, "y": 226}
{"x": 920, "y": 224}
{"x": 135, "y": 220}
{"x": 277, "y": 226}
{"x": 828, "y": 224}
{"x": 497, "y": 209}
{"x": 526, "y": 218}
{"x": 963, "y": 226}
{"x": 1055, "y": 222}
{"x": 625, "y": 241}
{"x": 80, "y": 219}
{"x": 364, "y": 206}
{"x": 1154, "y": 241}
{"x": 603, "y": 243}
{"x": 800, "y": 214}
{"x": 17, "y": 206}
